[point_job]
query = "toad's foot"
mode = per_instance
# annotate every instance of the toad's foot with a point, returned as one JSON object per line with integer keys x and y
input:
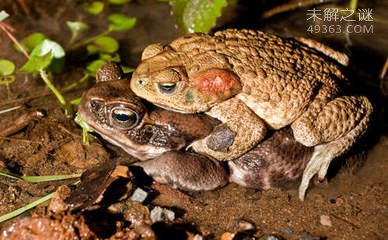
{"x": 334, "y": 130}
{"x": 241, "y": 130}
{"x": 185, "y": 171}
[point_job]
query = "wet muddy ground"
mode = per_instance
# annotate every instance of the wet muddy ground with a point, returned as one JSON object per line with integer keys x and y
{"x": 352, "y": 204}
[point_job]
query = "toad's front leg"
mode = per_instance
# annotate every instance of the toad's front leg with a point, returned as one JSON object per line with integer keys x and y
{"x": 241, "y": 130}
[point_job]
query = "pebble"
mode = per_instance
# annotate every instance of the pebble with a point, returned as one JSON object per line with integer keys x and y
{"x": 286, "y": 230}
{"x": 159, "y": 214}
{"x": 271, "y": 237}
{"x": 325, "y": 220}
{"x": 139, "y": 195}
{"x": 308, "y": 236}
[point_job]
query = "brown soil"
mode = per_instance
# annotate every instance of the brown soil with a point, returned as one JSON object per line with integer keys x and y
{"x": 354, "y": 199}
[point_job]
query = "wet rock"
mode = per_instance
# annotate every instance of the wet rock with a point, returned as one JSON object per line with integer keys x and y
{"x": 159, "y": 214}
{"x": 9, "y": 194}
{"x": 286, "y": 230}
{"x": 141, "y": 232}
{"x": 57, "y": 204}
{"x": 133, "y": 212}
{"x": 271, "y": 237}
{"x": 139, "y": 195}
{"x": 241, "y": 226}
{"x": 325, "y": 220}
{"x": 227, "y": 236}
{"x": 45, "y": 228}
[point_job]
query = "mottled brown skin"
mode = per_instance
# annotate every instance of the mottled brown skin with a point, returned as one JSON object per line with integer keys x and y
{"x": 186, "y": 171}
{"x": 254, "y": 81}
{"x": 274, "y": 162}
{"x": 154, "y": 135}
{"x": 160, "y": 133}
{"x": 150, "y": 132}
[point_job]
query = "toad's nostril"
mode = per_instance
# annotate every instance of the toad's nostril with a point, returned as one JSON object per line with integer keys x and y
{"x": 140, "y": 81}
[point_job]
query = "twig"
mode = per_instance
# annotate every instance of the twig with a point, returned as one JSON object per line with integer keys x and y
{"x": 292, "y": 5}
{"x": 24, "y": 6}
{"x": 20, "y": 140}
{"x": 17, "y": 43}
{"x": 346, "y": 221}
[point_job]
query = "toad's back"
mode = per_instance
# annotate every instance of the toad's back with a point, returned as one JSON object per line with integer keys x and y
{"x": 279, "y": 76}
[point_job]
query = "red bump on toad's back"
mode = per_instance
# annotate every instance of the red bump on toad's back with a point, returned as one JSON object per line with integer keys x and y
{"x": 217, "y": 82}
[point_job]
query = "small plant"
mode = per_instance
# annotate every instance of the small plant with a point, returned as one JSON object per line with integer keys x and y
{"x": 196, "y": 15}
{"x": 102, "y": 47}
{"x": 46, "y": 56}
{"x": 7, "y": 69}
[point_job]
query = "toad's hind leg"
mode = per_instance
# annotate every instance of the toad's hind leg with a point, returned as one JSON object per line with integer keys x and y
{"x": 333, "y": 130}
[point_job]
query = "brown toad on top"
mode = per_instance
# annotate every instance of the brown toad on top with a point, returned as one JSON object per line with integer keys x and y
{"x": 254, "y": 81}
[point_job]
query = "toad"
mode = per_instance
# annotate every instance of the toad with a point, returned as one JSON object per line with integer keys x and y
{"x": 252, "y": 82}
{"x": 156, "y": 135}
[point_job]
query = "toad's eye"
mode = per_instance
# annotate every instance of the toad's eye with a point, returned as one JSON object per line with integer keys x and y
{"x": 123, "y": 118}
{"x": 167, "y": 88}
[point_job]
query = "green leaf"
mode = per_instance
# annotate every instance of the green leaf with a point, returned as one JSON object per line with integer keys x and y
{"x": 120, "y": 22}
{"x": 127, "y": 69}
{"x": 5, "y": 80}
{"x": 31, "y": 41}
{"x": 119, "y": 1}
{"x": 94, "y": 8}
{"x": 103, "y": 44}
{"x": 93, "y": 66}
{"x": 110, "y": 58}
{"x": 76, "y": 101}
{"x": 36, "y": 63}
{"x": 43, "y": 55}
{"x": 3, "y": 15}
{"x": 49, "y": 46}
{"x": 6, "y": 67}
{"x": 77, "y": 28}
{"x": 197, "y": 15}
{"x": 56, "y": 65}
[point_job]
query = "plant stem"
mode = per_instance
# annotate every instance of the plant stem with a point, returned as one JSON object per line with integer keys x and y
{"x": 61, "y": 99}
{"x": 75, "y": 84}
{"x": 17, "y": 43}
{"x": 353, "y": 4}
